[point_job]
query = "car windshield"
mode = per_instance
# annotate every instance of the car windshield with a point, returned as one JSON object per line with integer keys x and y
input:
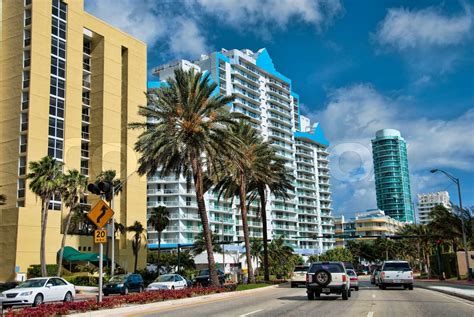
{"x": 33, "y": 283}
{"x": 331, "y": 267}
{"x": 351, "y": 273}
{"x": 203, "y": 272}
{"x": 118, "y": 278}
{"x": 396, "y": 266}
{"x": 165, "y": 278}
{"x": 301, "y": 268}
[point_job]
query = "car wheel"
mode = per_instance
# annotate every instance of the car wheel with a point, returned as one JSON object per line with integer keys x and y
{"x": 382, "y": 286}
{"x": 410, "y": 287}
{"x": 292, "y": 285}
{"x": 357, "y": 288}
{"x": 38, "y": 300}
{"x": 140, "y": 290}
{"x": 68, "y": 297}
{"x": 345, "y": 294}
{"x": 310, "y": 295}
{"x": 125, "y": 291}
{"x": 172, "y": 287}
{"x": 349, "y": 293}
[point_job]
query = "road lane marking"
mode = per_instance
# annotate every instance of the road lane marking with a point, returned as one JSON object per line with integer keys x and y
{"x": 251, "y": 313}
{"x": 373, "y": 296}
{"x": 370, "y": 314}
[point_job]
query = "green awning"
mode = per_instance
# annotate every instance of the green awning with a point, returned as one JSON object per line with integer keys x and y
{"x": 72, "y": 255}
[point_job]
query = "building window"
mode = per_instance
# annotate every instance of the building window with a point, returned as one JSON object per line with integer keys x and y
{"x": 55, "y": 148}
{"x": 58, "y": 28}
{"x": 58, "y": 67}
{"x": 27, "y": 18}
{"x": 27, "y": 38}
{"x": 26, "y": 58}
{"x": 22, "y": 166}
{"x": 26, "y": 79}
{"x": 58, "y": 47}
{"x": 24, "y": 101}
{"x": 57, "y": 87}
{"x": 27, "y": 3}
{"x": 24, "y": 121}
{"x": 56, "y": 107}
{"x": 23, "y": 141}
{"x": 21, "y": 188}
{"x": 56, "y": 127}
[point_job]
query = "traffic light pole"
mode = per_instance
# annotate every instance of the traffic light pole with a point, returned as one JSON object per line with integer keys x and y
{"x": 101, "y": 273}
{"x": 112, "y": 241}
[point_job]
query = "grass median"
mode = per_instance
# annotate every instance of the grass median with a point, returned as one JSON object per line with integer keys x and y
{"x": 244, "y": 287}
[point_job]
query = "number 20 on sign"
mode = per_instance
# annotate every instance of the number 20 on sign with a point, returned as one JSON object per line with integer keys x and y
{"x": 100, "y": 236}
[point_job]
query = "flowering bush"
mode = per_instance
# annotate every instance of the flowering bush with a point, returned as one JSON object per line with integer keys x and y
{"x": 114, "y": 301}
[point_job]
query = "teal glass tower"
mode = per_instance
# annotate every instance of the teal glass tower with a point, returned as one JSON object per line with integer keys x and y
{"x": 392, "y": 180}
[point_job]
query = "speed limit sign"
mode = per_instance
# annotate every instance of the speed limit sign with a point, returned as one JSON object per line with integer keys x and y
{"x": 100, "y": 236}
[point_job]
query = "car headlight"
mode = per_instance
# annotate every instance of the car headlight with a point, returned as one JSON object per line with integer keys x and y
{"x": 2, "y": 295}
{"x": 26, "y": 293}
{"x": 119, "y": 285}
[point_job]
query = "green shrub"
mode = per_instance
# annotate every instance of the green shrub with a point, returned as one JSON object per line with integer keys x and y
{"x": 35, "y": 270}
{"x": 83, "y": 280}
{"x": 448, "y": 263}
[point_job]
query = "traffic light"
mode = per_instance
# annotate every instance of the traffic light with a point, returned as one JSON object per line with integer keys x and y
{"x": 438, "y": 242}
{"x": 101, "y": 188}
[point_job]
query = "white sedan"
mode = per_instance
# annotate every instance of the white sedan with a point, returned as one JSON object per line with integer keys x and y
{"x": 36, "y": 291}
{"x": 168, "y": 281}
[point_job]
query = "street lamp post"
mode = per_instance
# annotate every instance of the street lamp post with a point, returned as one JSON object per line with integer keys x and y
{"x": 466, "y": 252}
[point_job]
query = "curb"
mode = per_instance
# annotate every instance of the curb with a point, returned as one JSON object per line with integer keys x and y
{"x": 466, "y": 297}
{"x": 145, "y": 308}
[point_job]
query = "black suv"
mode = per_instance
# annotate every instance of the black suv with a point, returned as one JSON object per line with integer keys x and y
{"x": 327, "y": 278}
{"x": 203, "y": 279}
{"x": 123, "y": 284}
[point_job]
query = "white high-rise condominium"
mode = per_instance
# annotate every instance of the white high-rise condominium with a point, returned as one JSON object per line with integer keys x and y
{"x": 266, "y": 97}
{"x": 426, "y": 202}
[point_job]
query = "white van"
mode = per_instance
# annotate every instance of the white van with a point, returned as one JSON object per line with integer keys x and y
{"x": 396, "y": 273}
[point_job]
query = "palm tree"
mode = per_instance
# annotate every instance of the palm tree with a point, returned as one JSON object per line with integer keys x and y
{"x": 159, "y": 220}
{"x": 185, "y": 131}
{"x": 278, "y": 180}
{"x": 256, "y": 247}
{"x": 73, "y": 188}
{"x": 45, "y": 181}
{"x": 138, "y": 230}
{"x": 281, "y": 256}
{"x": 245, "y": 166}
{"x": 199, "y": 245}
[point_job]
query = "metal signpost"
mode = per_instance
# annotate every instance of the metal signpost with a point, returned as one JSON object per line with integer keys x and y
{"x": 100, "y": 215}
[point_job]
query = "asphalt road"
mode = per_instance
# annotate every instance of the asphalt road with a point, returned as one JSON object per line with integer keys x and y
{"x": 369, "y": 301}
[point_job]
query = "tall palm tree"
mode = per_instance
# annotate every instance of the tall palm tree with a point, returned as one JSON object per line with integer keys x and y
{"x": 246, "y": 165}
{"x": 281, "y": 256}
{"x": 73, "y": 189}
{"x": 138, "y": 231}
{"x": 185, "y": 131}
{"x": 159, "y": 219}
{"x": 275, "y": 177}
{"x": 45, "y": 181}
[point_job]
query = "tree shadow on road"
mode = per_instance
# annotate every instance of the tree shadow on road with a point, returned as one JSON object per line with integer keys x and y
{"x": 305, "y": 298}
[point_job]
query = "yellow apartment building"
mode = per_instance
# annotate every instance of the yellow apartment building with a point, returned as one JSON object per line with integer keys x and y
{"x": 70, "y": 84}
{"x": 366, "y": 225}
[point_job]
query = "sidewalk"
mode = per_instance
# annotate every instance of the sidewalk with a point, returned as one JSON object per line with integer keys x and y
{"x": 462, "y": 289}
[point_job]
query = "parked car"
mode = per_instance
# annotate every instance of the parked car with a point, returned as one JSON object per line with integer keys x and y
{"x": 123, "y": 284}
{"x": 396, "y": 273}
{"x": 375, "y": 275}
{"x": 353, "y": 279}
{"x": 203, "y": 278}
{"x": 36, "y": 291}
{"x": 298, "y": 277}
{"x": 327, "y": 278}
{"x": 168, "y": 281}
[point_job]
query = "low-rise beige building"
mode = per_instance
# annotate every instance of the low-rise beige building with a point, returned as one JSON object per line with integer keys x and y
{"x": 366, "y": 225}
{"x": 70, "y": 85}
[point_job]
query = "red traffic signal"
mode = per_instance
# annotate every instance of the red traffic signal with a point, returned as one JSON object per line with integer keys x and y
{"x": 438, "y": 242}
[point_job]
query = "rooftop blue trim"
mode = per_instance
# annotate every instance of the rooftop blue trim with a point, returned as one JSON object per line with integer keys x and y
{"x": 265, "y": 62}
{"x": 219, "y": 55}
{"x": 294, "y": 94}
{"x": 317, "y": 136}
{"x": 168, "y": 245}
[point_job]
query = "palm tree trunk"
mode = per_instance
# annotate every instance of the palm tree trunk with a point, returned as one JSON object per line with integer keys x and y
{"x": 245, "y": 225}
{"x": 263, "y": 212}
{"x": 159, "y": 253}
{"x": 44, "y": 222}
{"x": 63, "y": 242}
{"x": 198, "y": 184}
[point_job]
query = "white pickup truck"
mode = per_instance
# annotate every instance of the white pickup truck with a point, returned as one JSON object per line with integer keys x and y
{"x": 327, "y": 278}
{"x": 396, "y": 273}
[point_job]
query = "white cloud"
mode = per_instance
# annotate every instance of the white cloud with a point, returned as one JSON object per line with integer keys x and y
{"x": 187, "y": 39}
{"x": 350, "y": 120}
{"x": 245, "y": 14}
{"x": 410, "y": 29}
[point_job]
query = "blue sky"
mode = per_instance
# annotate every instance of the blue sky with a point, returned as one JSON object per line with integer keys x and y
{"x": 358, "y": 66}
